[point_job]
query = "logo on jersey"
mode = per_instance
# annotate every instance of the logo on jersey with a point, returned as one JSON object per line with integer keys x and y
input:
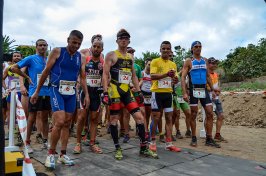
{"x": 100, "y": 66}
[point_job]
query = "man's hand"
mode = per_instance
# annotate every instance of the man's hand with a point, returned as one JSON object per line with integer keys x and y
{"x": 171, "y": 73}
{"x": 106, "y": 99}
{"x": 34, "y": 98}
{"x": 175, "y": 80}
{"x": 185, "y": 97}
{"x": 23, "y": 90}
{"x": 139, "y": 98}
{"x": 213, "y": 95}
{"x": 86, "y": 102}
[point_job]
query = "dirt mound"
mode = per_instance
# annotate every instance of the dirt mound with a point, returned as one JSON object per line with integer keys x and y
{"x": 243, "y": 109}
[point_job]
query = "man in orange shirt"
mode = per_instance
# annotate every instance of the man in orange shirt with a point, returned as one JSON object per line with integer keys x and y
{"x": 217, "y": 104}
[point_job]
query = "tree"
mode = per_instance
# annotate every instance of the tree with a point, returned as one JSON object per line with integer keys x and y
{"x": 180, "y": 54}
{"x": 141, "y": 61}
{"x": 8, "y": 48}
{"x": 26, "y": 50}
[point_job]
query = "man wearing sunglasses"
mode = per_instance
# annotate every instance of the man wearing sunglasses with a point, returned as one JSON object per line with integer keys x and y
{"x": 36, "y": 64}
{"x": 197, "y": 70}
{"x": 119, "y": 65}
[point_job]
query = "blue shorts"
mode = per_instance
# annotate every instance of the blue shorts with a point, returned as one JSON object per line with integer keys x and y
{"x": 9, "y": 97}
{"x": 61, "y": 102}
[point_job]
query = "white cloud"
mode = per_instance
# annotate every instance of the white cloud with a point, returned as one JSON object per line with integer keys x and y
{"x": 219, "y": 25}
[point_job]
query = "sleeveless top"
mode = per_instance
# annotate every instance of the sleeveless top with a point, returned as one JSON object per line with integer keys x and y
{"x": 94, "y": 71}
{"x": 198, "y": 73}
{"x": 146, "y": 82}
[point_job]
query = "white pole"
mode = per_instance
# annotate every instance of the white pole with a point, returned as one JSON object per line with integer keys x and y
{"x": 11, "y": 146}
{"x": 202, "y": 131}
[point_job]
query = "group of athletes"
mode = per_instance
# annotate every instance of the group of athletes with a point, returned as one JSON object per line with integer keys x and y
{"x": 71, "y": 83}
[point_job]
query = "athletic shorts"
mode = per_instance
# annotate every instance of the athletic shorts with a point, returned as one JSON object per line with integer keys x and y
{"x": 9, "y": 97}
{"x": 95, "y": 99}
{"x": 4, "y": 103}
{"x": 204, "y": 101}
{"x": 161, "y": 100}
{"x": 184, "y": 105}
{"x": 61, "y": 102}
{"x": 121, "y": 93}
{"x": 218, "y": 106}
{"x": 147, "y": 98}
{"x": 139, "y": 104}
{"x": 43, "y": 103}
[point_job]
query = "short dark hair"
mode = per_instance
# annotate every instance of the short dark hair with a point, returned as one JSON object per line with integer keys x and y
{"x": 18, "y": 52}
{"x": 76, "y": 33}
{"x": 166, "y": 43}
{"x": 96, "y": 36}
{"x": 122, "y": 32}
{"x": 40, "y": 40}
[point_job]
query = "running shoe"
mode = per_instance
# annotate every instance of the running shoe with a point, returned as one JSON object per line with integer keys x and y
{"x": 219, "y": 138}
{"x": 96, "y": 149}
{"x": 212, "y": 143}
{"x": 50, "y": 162}
{"x": 173, "y": 138}
{"x": 126, "y": 138}
{"x": 194, "y": 141}
{"x": 99, "y": 126}
{"x": 169, "y": 146}
{"x": 161, "y": 138}
{"x": 45, "y": 145}
{"x": 64, "y": 159}
{"x": 188, "y": 134}
{"x": 19, "y": 140}
{"x": 39, "y": 138}
{"x": 77, "y": 149}
{"x": 178, "y": 135}
{"x": 30, "y": 150}
{"x": 148, "y": 153}
{"x": 153, "y": 146}
{"x": 118, "y": 154}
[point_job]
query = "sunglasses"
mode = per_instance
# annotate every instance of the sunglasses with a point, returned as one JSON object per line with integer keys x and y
{"x": 123, "y": 37}
{"x": 131, "y": 52}
{"x": 197, "y": 46}
{"x": 43, "y": 45}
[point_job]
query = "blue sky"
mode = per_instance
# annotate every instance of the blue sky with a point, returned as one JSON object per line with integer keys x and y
{"x": 219, "y": 25}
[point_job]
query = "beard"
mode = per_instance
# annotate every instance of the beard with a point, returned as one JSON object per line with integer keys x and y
{"x": 96, "y": 54}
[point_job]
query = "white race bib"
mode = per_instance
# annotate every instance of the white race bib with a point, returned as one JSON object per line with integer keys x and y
{"x": 165, "y": 83}
{"x": 67, "y": 87}
{"x": 94, "y": 80}
{"x": 199, "y": 93}
{"x": 46, "y": 82}
{"x": 147, "y": 99}
{"x": 124, "y": 77}
{"x": 180, "y": 100}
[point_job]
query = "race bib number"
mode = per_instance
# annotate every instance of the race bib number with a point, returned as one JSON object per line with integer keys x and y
{"x": 124, "y": 77}
{"x": 93, "y": 80}
{"x": 165, "y": 83}
{"x": 46, "y": 82}
{"x": 199, "y": 93}
{"x": 147, "y": 99}
{"x": 67, "y": 87}
{"x": 180, "y": 100}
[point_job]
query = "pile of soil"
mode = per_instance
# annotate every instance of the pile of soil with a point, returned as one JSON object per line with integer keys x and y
{"x": 243, "y": 109}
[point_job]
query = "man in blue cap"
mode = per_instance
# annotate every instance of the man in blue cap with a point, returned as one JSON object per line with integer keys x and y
{"x": 197, "y": 70}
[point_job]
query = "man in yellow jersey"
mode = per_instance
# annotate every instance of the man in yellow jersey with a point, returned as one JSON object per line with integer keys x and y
{"x": 119, "y": 65}
{"x": 163, "y": 74}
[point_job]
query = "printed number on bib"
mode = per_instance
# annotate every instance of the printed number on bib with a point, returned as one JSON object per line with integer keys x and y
{"x": 180, "y": 100}
{"x": 199, "y": 93}
{"x": 165, "y": 83}
{"x": 147, "y": 99}
{"x": 46, "y": 82}
{"x": 93, "y": 81}
{"x": 67, "y": 87}
{"x": 124, "y": 77}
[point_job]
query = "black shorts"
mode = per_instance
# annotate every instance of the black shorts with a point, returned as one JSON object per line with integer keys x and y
{"x": 95, "y": 99}
{"x": 43, "y": 103}
{"x": 4, "y": 103}
{"x": 162, "y": 100}
{"x": 193, "y": 101}
{"x": 147, "y": 98}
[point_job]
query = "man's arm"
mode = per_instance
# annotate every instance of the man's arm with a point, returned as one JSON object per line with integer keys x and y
{"x": 106, "y": 70}
{"x": 209, "y": 81}
{"x": 4, "y": 77}
{"x": 15, "y": 69}
{"x": 23, "y": 89}
{"x": 185, "y": 71}
{"x": 82, "y": 77}
{"x": 55, "y": 53}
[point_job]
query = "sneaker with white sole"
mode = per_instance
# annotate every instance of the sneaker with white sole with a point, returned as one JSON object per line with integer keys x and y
{"x": 30, "y": 150}
{"x": 64, "y": 159}
{"x": 45, "y": 145}
{"x": 50, "y": 161}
